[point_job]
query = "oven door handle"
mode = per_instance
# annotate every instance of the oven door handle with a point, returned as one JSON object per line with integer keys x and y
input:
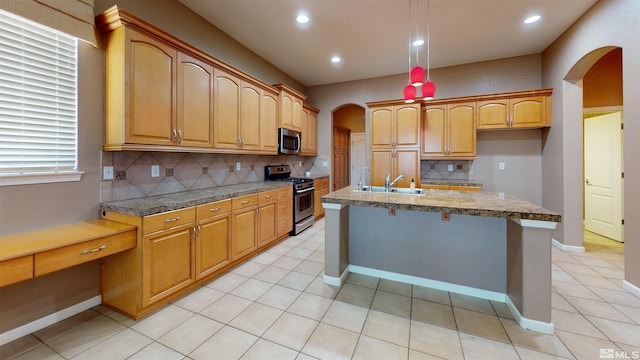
{"x": 305, "y": 190}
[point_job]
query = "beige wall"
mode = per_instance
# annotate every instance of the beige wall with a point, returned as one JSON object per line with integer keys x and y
{"x": 521, "y": 151}
{"x": 608, "y": 24}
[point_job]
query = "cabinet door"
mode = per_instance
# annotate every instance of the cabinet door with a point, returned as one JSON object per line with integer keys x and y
{"x": 312, "y": 133}
{"x": 152, "y": 76}
{"x": 250, "y": 100}
{"x": 493, "y": 114}
{"x": 407, "y": 125}
{"x": 317, "y": 204}
{"x": 296, "y": 114}
{"x": 226, "y": 111}
{"x": 286, "y": 111}
{"x": 407, "y": 164}
{"x": 243, "y": 232}
{"x": 166, "y": 263}
{"x": 269, "y": 122}
{"x": 212, "y": 244}
{"x": 267, "y": 224}
{"x": 195, "y": 102}
{"x": 528, "y": 112}
{"x": 381, "y": 165}
{"x": 461, "y": 134}
{"x": 381, "y": 126}
{"x": 433, "y": 131}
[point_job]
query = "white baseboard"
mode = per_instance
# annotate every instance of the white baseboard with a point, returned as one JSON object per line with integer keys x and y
{"x": 336, "y": 281}
{"x": 635, "y": 290}
{"x": 535, "y": 325}
{"x": 50, "y": 319}
{"x": 564, "y": 247}
{"x": 434, "y": 284}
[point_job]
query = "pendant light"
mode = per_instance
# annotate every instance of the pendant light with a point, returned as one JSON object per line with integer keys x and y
{"x": 409, "y": 90}
{"x": 428, "y": 88}
{"x": 417, "y": 72}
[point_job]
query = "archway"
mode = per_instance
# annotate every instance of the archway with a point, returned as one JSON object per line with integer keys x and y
{"x": 348, "y": 145}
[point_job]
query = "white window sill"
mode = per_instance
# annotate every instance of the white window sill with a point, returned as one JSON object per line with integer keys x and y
{"x": 39, "y": 178}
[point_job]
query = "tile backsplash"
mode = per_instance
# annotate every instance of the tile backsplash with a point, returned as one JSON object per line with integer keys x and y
{"x": 190, "y": 171}
{"x": 439, "y": 169}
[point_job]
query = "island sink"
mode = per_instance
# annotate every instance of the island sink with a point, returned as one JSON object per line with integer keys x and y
{"x": 395, "y": 190}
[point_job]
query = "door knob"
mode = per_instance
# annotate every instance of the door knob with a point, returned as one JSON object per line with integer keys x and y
{"x": 587, "y": 182}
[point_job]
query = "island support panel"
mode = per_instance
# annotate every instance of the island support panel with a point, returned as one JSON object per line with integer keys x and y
{"x": 336, "y": 251}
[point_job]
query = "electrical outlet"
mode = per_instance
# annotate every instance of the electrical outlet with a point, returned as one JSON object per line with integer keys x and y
{"x": 299, "y": 163}
{"x": 238, "y": 167}
{"x": 450, "y": 167}
{"x": 501, "y": 166}
{"x": 501, "y": 196}
{"x": 107, "y": 173}
{"x": 325, "y": 164}
{"x": 155, "y": 170}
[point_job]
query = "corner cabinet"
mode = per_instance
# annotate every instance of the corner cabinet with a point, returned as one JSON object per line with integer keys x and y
{"x": 449, "y": 131}
{"x": 524, "y": 110}
{"x": 395, "y": 142}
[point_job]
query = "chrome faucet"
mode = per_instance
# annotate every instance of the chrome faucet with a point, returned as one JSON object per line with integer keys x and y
{"x": 388, "y": 184}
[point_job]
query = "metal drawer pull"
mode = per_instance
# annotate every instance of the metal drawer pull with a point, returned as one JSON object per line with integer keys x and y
{"x": 214, "y": 209}
{"x": 267, "y": 197}
{"x": 246, "y": 201}
{"x": 85, "y": 252}
{"x": 172, "y": 220}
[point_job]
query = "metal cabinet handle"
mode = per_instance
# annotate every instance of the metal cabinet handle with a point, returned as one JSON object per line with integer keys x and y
{"x": 245, "y": 201}
{"x": 172, "y": 220}
{"x": 85, "y": 252}
{"x": 267, "y": 196}
{"x": 214, "y": 209}
{"x": 179, "y": 136}
{"x": 174, "y": 136}
{"x": 199, "y": 229}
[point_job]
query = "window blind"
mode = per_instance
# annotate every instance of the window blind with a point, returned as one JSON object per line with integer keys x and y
{"x": 38, "y": 92}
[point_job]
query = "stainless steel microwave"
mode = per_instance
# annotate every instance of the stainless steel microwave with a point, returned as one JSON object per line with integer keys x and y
{"x": 289, "y": 141}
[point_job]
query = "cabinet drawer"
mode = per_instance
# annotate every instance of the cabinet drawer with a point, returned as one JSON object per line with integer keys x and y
{"x": 321, "y": 183}
{"x": 242, "y": 202}
{"x": 213, "y": 209}
{"x": 53, "y": 260}
{"x": 285, "y": 224}
{"x": 169, "y": 219}
{"x": 267, "y": 196}
{"x": 285, "y": 208}
{"x": 285, "y": 192}
{"x": 16, "y": 270}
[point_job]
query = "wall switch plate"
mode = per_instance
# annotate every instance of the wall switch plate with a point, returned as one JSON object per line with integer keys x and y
{"x": 450, "y": 167}
{"x": 238, "y": 166}
{"x": 155, "y": 170}
{"x": 501, "y": 166}
{"x": 107, "y": 173}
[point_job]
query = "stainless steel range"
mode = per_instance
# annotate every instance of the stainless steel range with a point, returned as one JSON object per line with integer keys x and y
{"x": 302, "y": 195}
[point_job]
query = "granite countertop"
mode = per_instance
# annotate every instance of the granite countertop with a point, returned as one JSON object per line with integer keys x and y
{"x": 479, "y": 203}
{"x": 184, "y": 199}
{"x": 450, "y": 182}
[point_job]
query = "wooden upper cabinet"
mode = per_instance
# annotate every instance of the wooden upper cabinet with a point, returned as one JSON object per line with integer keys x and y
{"x": 309, "y": 131}
{"x": 396, "y": 125}
{"x": 250, "y": 101}
{"x": 515, "y": 112}
{"x": 150, "y": 71}
{"x": 269, "y": 122}
{"x": 448, "y": 131}
{"x": 290, "y": 108}
{"x": 195, "y": 102}
{"x": 226, "y": 106}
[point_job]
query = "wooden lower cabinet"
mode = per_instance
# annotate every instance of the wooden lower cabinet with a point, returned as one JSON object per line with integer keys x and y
{"x": 285, "y": 211}
{"x": 179, "y": 250}
{"x": 322, "y": 189}
{"x": 451, "y": 187}
{"x": 166, "y": 263}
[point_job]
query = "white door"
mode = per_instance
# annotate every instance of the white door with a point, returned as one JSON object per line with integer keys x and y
{"x": 359, "y": 173}
{"x": 603, "y": 175}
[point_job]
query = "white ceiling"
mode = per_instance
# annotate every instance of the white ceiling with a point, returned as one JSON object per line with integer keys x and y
{"x": 372, "y": 36}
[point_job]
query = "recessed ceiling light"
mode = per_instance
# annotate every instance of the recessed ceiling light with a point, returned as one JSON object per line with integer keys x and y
{"x": 335, "y": 59}
{"x": 302, "y": 19}
{"x": 532, "y": 19}
{"x": 418, "y": 42}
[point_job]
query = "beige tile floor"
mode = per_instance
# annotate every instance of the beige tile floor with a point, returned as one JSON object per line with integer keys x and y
{"x": 276, "y": 306}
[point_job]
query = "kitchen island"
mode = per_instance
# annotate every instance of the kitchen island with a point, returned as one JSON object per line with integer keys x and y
{"x": 482, "y": 244}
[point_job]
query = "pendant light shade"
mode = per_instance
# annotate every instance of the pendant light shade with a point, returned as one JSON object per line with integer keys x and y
{"x": 417, "y": 76}
{"x": 428, "y": 90}
{"x": 409, "y": 93}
